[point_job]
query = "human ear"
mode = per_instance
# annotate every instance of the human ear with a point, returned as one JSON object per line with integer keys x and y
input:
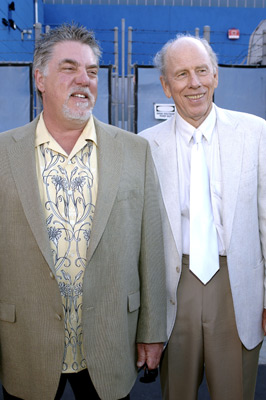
{"x": 165, "y": 86}
{"x": 39, "y": 80}
{"x": 216, "y": 78}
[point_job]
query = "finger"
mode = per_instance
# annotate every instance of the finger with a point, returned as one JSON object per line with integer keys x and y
{"x": 153, "y": 355}
{"x": 141, "y": 355}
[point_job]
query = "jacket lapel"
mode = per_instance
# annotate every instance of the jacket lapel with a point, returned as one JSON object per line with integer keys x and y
{"x": 22, "y": 160}
{"x": 231, "y": 152}
{"x": 165, "y": 158}
{"x": 110, "y": 157}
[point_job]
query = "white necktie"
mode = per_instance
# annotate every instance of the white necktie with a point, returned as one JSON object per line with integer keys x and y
{"x": 204, "y": 253}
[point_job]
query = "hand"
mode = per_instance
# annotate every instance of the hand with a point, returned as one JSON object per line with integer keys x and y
{"x": 264, "y": 321}
{"x": 150, "y": 353}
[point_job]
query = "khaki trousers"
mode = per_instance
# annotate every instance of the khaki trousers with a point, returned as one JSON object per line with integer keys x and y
{"x": 205, "y": 337}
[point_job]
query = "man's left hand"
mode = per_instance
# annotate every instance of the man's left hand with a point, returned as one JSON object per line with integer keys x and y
{"x": 150, "y": 353}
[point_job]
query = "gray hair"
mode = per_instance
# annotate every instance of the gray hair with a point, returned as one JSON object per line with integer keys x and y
{"x": 160, "y": 58}
{"x": 45, "y": 44}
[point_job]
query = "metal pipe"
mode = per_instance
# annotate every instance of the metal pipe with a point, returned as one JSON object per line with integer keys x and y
{"x": 207, "y": 33}
{"x": 36, "y": 11}
{"x": 116, "y": 76}
{"x": 123, "y": 75}
{"x": 38, "y": 29}
{"x": 129, "y": 78}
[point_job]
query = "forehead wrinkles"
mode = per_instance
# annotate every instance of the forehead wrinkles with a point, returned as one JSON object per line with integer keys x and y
{"x": 186, "y": 54}
{"x": 73, "y": 50}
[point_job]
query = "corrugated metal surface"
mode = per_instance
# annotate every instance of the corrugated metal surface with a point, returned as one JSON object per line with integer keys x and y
{"x": 191, "y": 3}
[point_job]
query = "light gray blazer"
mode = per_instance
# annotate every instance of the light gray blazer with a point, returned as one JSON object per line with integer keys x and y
{"x": 124, "y": 284}
{"x": 242, "y": 141}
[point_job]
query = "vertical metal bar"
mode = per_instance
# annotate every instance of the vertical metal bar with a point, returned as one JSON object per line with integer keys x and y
{"x": 36, "y": 11}
{"x": 38, "y": 29}
{"x": 32, "y": 115}
{"x": 123, "y": 74}
{"x": 207, "y": 33}
{"x": 197, "y": 32}
{"x": 116, "y": 77}
{"x": 129, "y": 78}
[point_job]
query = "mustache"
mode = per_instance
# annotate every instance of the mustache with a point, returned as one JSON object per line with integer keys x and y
{"x": 83, "y": 90}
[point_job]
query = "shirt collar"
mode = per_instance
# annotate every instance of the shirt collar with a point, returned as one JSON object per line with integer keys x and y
{"x": 186, "y": 130}
{"x": 43, "y": 136}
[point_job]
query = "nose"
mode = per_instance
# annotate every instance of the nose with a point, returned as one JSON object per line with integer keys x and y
{"x": 194, "y": 80}
{"x": 82, "y": 77}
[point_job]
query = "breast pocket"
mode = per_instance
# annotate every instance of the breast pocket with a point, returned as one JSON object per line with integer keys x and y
{"x": 248, "y": 187}
{"x": 249, "y": 177}
{"x": 127, "y": 194}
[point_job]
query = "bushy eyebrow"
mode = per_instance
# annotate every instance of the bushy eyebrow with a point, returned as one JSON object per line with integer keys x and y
{"x": 203, "y": 66}
{"x": 75, "y": 63}
{"x": 185, "y": 70}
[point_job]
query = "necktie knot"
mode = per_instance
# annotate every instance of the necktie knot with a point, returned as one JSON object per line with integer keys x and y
{"x": 197, "y": 136}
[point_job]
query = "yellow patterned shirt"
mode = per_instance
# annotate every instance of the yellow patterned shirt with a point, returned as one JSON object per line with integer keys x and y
{"x": 68, "y": 189}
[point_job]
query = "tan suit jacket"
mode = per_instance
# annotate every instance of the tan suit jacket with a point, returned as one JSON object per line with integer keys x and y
{"x": 242, "y": 142}
{"x": 124, "y": 284}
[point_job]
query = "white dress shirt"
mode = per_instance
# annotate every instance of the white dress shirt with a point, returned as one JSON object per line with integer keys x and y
{"x": 184, "y": 142}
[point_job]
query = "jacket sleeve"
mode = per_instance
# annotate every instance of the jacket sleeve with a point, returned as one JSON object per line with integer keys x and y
{"x": 152, "y": 317}
{"x": 262, "y": 198}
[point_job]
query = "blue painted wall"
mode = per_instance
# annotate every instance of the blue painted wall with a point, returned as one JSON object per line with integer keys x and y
{"x": 154, "y": 25}
{"x": 12, "y": 47}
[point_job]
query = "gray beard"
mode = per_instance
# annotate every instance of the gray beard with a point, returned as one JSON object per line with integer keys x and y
{"x": 81, "y": 114}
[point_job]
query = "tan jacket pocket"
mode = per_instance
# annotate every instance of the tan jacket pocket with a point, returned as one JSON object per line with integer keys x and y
{"x": 7, "y": 312}
{"x": 133, "y": 301}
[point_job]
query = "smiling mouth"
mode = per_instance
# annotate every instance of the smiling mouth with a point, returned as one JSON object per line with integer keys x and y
{"x": 80, "y": 96}
{"x": 195, "y": 97}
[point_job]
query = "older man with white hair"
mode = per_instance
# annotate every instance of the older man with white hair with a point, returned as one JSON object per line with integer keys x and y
{"x": 212, "y": 172}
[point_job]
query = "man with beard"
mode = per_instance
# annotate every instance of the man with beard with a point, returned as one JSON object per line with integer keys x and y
{"x": 82, "y": 295}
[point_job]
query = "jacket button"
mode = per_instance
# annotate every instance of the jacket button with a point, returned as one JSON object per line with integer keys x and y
{"x": 178, "y": 270}
{"x": 172, "y": 302}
